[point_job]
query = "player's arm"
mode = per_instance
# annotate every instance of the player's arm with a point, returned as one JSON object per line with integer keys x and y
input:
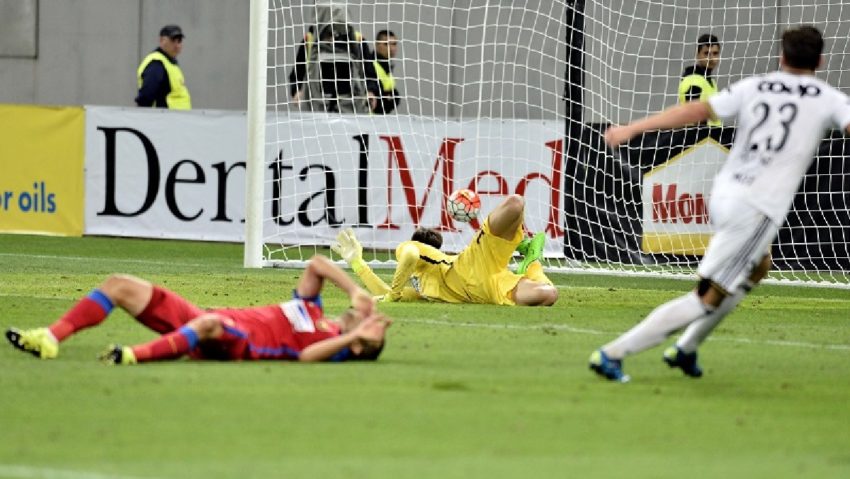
{"x": 673, "y": 117}
{"x": 372, "y": 281}
{"x": 319, "y": 269}
{"x": 371, "y": 329}
{"x": 350, "y": 249}
{"x": 407, "y": 256}
{"x": 846, "y": 121}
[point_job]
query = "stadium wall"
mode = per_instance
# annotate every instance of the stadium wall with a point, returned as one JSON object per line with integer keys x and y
{"x": 87, "y": 51}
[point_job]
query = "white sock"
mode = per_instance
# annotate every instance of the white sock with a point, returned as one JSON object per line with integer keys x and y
{"x": 699, "y": 330}
{"x": 660, "y": 323}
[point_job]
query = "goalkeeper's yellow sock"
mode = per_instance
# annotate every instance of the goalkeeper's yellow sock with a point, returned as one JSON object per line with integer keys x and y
{"x": 535, "y": 272}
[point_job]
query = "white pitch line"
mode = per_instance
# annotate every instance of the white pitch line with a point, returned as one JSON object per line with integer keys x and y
{"x": 551, "y": 326}
{"x": 28, "y": 472}
{"x": 98, "y": 258}
{"x": 571, "y": 329}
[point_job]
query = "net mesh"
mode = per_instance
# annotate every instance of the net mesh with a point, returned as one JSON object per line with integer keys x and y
{"x": 512, "y": 98}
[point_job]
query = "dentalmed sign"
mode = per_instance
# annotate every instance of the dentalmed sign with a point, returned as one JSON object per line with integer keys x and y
{"x": 182, "y": 175}
{"x": 165, "y": 174}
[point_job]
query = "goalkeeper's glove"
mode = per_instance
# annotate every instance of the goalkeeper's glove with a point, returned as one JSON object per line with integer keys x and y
{"x": 349, "y": 249}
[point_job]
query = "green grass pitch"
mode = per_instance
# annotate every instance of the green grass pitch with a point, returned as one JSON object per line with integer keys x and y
{"x": 462, "y": 391}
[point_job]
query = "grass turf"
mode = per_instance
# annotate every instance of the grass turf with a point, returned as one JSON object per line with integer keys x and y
{"x": 462, "y": 391}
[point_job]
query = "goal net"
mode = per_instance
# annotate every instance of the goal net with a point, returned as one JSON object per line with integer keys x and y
{"x": 514, "y": 97}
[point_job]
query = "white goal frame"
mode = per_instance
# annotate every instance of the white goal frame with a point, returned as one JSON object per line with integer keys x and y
{"x": 613, "y": 64}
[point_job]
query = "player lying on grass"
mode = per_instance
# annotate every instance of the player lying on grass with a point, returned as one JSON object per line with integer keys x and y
{"x": 781, "y": 118}
{"x": 293, "y": 330}
{"x": 479, "y": 274}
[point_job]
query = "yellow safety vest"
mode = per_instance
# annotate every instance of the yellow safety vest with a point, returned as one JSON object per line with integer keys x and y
{"x": 707, "y": 88}
{"x": 386, "y": 78}
{"x": 178, "y": 98}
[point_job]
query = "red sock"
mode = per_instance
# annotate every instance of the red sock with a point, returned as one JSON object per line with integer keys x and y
{"x": 89, "y": 311}
{"x": 168, "y": 346}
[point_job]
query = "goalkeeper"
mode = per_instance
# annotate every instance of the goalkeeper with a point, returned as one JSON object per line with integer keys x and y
{"x": 479, "y": 274}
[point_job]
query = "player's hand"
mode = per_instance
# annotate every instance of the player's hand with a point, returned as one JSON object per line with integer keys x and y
{"x": 348, "y": 247}
{"x": 372, "y": 328}
{"x": 617, "y": 135}
{"x": 363, "y": 302}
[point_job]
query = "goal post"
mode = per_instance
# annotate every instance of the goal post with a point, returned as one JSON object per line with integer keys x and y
{"x": 256, "y": 133}
{"x": 514, "y": 97}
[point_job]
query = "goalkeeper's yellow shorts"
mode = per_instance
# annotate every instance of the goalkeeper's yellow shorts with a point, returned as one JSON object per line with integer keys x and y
{"x": 481, "y": 269}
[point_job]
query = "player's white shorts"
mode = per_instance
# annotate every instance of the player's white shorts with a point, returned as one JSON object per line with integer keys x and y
{"x": 742, "y": 237}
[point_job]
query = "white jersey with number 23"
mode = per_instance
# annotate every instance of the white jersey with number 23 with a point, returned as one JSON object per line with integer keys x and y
{"x": 781, "y": 118}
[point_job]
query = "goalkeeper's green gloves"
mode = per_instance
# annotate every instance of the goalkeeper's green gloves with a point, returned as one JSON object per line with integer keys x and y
{"x": 349, "y": 249}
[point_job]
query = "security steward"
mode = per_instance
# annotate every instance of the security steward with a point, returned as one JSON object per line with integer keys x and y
{"x": 698, "y": 82}
{"x": 383, "y": 94}
{"x": 160, "y": 79}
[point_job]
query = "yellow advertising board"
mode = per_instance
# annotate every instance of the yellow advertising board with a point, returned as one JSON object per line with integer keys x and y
{"x": 41, "y": 169}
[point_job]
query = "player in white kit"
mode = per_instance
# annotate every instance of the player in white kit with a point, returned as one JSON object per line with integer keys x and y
{"x": 781, "y": 118}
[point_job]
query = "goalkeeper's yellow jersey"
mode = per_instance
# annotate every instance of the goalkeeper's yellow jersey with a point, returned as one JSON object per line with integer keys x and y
{"x": 422, "y": 272}
{"x": 429, "y": 271}
{"x": 479, "y": 274}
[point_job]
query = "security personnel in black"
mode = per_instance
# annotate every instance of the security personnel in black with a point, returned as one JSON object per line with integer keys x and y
{"x": 383, "y": 94}
{"x": 697, "y": 82}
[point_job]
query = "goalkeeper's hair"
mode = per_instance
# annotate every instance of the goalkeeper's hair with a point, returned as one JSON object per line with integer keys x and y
{"x": 802, "y": 47}
{"x": 428, "y": 236}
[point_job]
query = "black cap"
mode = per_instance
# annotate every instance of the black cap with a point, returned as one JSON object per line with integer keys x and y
{"x": 171, "y": 31}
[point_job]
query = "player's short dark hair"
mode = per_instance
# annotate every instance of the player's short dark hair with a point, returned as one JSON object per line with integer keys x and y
{"x": 369, "y": 353}
{"x": 802, "y": 47}
{"x": 384, "y": 34}
{"x": 428, "y": 236}
{"x": 707, "y": 40}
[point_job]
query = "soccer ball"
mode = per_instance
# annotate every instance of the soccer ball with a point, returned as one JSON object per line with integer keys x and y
{"x": 464, "y": 205}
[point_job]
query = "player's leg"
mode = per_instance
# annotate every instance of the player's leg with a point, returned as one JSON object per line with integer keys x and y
{"x": 535, "y": 293}
{"x": 742, "y": 237}
{"x": 162, "y": 311}
{"x": 662, "y": 321}
{"x": 127, "y": 292}
{"x": 172, "y": 345}
{"x": 507, "y": 217}
{"x": 505, "y": 220}
{"x": 684, "y": 354}
{"x": 532, "y": 252}
{"x": 697, "y": 332}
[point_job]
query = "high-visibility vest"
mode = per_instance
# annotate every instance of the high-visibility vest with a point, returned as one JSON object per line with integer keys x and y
{"x": 178, "y": 98}
{"x": 386, "y": 78}
{"x": 707, "y": 88}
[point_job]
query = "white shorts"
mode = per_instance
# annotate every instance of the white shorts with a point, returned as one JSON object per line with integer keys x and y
{"x": 742, "y": 237}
